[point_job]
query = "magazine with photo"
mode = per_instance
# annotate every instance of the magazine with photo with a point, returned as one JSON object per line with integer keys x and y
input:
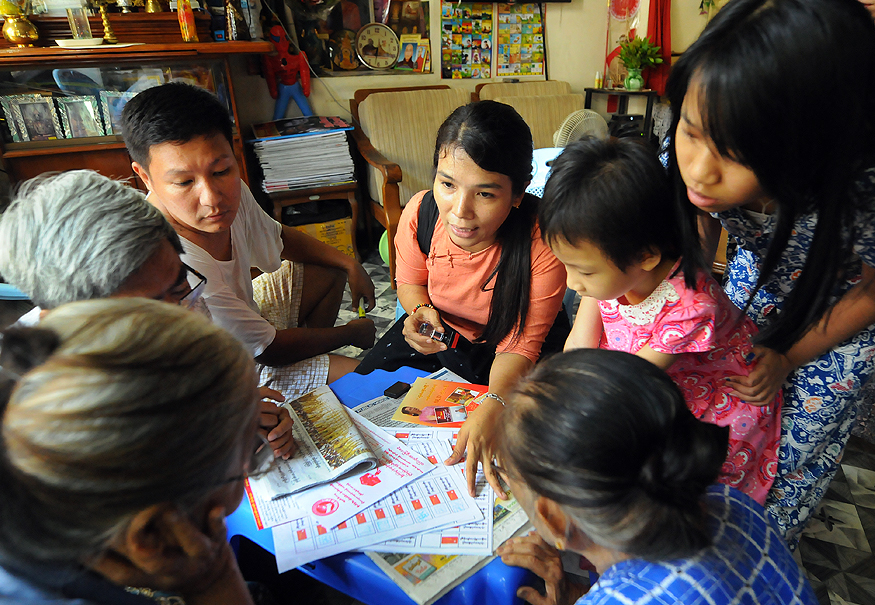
{"x": 439, "y": 403}
{"x": 329, "y": 448}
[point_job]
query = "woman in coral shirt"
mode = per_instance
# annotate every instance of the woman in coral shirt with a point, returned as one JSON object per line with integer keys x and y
{"x": 471, "y": 265}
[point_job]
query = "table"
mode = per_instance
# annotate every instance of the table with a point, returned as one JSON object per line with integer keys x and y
{"x": 623, "y": 104}
{"x": 354, "y": 573}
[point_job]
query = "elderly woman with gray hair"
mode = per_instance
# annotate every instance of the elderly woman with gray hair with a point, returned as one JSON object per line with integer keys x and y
{"x": 618, "y": 470}
{"x": 80, "y": 236}
{"x": 107, "y": 497}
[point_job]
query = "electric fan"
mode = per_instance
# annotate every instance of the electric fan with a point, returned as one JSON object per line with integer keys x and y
{"x": 579, "y": 124}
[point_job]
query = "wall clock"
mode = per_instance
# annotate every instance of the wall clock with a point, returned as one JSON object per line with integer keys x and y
{"x": 377, "y": 46}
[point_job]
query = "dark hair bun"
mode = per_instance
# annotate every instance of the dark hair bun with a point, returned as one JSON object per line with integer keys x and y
{"x": 688, "y": 461}
{"x": 608, "y": 434}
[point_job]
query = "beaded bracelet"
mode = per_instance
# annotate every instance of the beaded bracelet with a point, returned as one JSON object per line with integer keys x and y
{"x": 420, "y": 305}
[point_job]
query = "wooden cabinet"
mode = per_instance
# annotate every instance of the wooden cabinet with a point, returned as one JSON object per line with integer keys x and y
{"x": 61, "y": 106}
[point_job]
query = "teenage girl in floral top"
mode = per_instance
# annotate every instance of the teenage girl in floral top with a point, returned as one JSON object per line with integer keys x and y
{"x": 797, "y": 193}
{"x": 608, "y": 214}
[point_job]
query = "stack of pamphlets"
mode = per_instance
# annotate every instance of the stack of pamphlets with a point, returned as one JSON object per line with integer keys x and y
{"x": 303, "y": 153}
{"x": 362, "y": 480}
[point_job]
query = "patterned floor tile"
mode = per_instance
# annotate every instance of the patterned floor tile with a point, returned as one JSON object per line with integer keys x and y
{"x": 860, "y": 588}
{"x": 839, "y": 490}
{"x": 861, "y": 484}
{"x": 842, "y": 526}
{"x": 837, "y": 556}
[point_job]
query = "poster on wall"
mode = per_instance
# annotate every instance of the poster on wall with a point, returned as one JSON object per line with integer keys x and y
{"x": 466, "y": 40}
{"x": 520, "y": 49}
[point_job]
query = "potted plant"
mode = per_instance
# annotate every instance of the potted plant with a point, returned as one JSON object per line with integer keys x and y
{"x": 637, "y": 54}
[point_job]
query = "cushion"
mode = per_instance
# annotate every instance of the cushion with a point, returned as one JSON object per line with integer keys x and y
{"x": 524, "y": 89}
{"x": 544, "y": 113}
{"x": 403, "y": 126}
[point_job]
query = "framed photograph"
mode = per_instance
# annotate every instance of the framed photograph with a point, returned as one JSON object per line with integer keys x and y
{"x": 112, "y": 103}
{"x": 31, "y": 118}
{"x": 80, "y": 117}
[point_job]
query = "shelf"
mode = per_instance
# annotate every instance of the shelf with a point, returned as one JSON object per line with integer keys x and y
{"x": 144, "y": 52}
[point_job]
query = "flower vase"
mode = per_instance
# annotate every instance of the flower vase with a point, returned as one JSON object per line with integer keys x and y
{"x": 633, "y": 80}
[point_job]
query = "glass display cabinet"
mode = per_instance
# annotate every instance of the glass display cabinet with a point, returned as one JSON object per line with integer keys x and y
{"x": 61, "y": 107}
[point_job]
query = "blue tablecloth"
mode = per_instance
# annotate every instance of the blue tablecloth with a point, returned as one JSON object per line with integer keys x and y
{"x": 354, "y": 573}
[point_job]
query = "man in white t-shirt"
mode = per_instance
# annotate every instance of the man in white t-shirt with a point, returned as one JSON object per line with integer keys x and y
{"x": 179, "y": 137}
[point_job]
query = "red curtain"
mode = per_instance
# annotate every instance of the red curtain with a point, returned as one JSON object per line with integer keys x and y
{"x": 659, "y": 32}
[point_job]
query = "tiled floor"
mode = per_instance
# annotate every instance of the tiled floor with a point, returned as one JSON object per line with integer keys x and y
{"x": 837, "y": 547}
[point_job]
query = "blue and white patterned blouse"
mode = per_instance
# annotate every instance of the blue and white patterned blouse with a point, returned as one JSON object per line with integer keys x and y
{"x": 748, "y": 563}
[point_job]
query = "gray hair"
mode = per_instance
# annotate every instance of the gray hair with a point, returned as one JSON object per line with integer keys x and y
{"x": 77, "y": 236}
{"x": 122, "y": 404}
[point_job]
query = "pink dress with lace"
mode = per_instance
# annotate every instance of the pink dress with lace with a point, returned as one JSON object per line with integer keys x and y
{"x": 702, "y": 327}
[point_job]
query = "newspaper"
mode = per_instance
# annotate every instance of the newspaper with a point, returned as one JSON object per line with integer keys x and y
{"x": 427, "y": 577}
{"x": 339, "y": 500}
{"x": 437, "y": 499}
{"x": 329, "y": 447}
{"x": 460, "y": 539}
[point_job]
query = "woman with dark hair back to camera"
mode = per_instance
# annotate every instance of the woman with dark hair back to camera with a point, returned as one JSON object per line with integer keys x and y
{"x": 128, "y": 426}
{"x": 471, "y": 264}
{"x": 619, "y": 471}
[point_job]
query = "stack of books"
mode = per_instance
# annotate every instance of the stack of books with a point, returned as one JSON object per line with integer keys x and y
{"x": 303, "y": 153}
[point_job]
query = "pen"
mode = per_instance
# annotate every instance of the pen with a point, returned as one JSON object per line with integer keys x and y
{"x": 361, "y": 311}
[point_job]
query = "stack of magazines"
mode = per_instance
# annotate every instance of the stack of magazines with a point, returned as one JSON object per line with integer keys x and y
{"x": 302, "y": 153}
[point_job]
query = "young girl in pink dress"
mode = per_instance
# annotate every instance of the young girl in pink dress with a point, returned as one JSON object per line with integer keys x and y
{"x": 608, "y": 214}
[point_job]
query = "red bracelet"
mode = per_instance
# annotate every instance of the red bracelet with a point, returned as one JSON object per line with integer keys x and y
{"x": 420, "y": 305}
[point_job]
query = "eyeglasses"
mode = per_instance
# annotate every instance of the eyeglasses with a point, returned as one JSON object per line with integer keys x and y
{"x": 195, "y": 293}
{"x": 261, "y": 461}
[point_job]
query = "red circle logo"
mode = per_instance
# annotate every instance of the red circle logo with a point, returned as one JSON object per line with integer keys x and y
{"x": 325, "y": 507}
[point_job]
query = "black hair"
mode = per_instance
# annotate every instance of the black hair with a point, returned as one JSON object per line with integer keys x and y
{"x": 607, "y": 435}
{"x": 172, "y": 113}
{"x": 499, "y": 140}
{"x": 616, "y": 195}
{"x": 762, "y": 67}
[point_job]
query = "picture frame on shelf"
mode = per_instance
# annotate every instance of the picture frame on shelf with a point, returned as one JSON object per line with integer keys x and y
{"x": 80, "y": 117}
{"x": 31, "y": 118}
{"x": 112, "y": 102}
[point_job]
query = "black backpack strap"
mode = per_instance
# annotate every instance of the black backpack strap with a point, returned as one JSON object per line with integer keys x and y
{"x": 427, "y": 219}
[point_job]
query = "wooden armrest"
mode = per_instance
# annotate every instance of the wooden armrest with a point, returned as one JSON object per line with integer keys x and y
{"x": 390, "y": 170}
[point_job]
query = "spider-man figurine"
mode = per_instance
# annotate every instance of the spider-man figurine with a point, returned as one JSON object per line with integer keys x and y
{"x": 282, "y": 72}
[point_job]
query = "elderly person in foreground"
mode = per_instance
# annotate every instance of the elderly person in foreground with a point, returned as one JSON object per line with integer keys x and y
{"x": 619, "y": 471}
{"x": 108, "y": 498}
{"x": 80, "y": 236}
